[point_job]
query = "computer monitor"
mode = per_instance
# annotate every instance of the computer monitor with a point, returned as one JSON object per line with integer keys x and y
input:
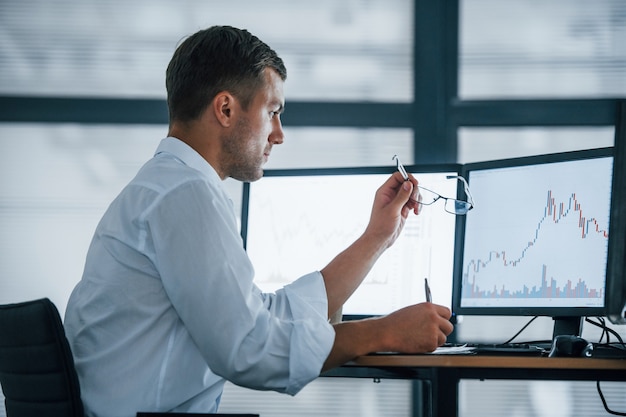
{"x": 536, "y": 242}
{"x": 296, "y": 221}
{"x": 615, "y": 295}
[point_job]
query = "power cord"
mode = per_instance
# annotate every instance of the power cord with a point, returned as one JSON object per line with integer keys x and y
{"x": 521, "y": 330}
{"x": 606, "y": 333}
{"x": 604, "y": 403}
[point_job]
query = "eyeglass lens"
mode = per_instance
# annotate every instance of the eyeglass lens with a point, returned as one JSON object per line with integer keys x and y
{"x": 452, "y": 205}
{"x": 428, "y": 197}
{"x": 457, "y": 206}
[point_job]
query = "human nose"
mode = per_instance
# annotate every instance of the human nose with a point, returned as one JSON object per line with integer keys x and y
{"x": 278, "y": 135}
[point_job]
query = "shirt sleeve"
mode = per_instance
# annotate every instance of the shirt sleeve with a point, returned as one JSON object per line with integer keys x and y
{"x": 274, "y": 342}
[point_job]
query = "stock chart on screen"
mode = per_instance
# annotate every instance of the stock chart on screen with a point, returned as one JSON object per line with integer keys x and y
{"x": 538, "y": 235}
{"x": 298, "y": 221}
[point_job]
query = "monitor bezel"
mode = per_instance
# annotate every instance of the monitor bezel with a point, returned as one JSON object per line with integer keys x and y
{"x": 615, "y": 294}
{"x": 555, "y": 312}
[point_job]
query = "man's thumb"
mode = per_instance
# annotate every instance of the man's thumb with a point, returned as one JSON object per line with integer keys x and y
{"x": 404, "y": 193}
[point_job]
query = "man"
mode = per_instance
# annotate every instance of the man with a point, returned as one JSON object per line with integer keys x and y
{"x": 166, "y": 310}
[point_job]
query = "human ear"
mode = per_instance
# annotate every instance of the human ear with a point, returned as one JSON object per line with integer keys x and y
{"x": 222, "y": 106}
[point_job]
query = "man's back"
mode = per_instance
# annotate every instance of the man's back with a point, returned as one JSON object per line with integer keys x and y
{"x": 167, "y": 303}
{"x": 120, "y": 321}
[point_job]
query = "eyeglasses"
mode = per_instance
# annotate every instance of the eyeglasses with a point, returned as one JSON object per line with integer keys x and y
{"x": 428, "y": 197}
{"x": 452, "y": 205}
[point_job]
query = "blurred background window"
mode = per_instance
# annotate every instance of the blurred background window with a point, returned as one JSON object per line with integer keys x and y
{"x": 534, "y": 48}
{"x": 334, "y": 50}
{"x": 480, "y": 144}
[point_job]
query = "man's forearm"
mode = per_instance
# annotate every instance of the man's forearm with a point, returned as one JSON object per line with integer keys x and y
{"x": 417, "y": 328}
{"x": 346, "y": 271}
{"x": 353, "y": 339}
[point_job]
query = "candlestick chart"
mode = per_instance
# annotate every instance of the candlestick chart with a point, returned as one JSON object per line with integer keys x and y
{"x": 543, "y": 239}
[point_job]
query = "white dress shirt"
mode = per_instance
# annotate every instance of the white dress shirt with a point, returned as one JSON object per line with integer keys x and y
{"x": 166, "y": 310}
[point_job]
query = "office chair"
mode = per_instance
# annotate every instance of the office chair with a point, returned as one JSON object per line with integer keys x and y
{"x": 37, "y": 371}
{"x": 36, "y": 365}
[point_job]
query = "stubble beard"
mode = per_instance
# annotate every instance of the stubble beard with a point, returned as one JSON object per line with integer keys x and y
{"x": 242, "y": 160}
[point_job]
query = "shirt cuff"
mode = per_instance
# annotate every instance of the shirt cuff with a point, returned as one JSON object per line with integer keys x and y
{"x": 314, "y": 336}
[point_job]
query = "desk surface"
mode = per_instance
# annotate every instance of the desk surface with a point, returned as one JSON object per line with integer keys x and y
{"x": 445, "y": 371}
{"x": 487, "y": 361}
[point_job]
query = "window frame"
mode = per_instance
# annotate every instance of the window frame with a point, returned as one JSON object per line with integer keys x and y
{"x": 435, "y": 115}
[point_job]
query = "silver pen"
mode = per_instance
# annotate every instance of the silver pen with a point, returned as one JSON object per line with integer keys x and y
{"x": 429, "y": 296}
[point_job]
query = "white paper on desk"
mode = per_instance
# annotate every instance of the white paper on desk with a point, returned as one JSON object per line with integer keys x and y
{"x": 454, "y": 350}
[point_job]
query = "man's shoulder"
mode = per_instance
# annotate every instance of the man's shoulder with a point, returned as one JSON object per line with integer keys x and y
{"x": 165, "y": 174}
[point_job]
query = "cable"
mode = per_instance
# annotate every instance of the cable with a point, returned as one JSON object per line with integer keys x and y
{"x": 521, "y": 330}
{"x": 604, "y": 403}
{"x": 602, "y": 325}
{"x": 606, "y": 330}
{"x": 606, "y": 333}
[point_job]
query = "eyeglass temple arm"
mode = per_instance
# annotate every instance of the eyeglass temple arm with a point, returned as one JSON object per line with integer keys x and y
{"x": 400, "y": 168}
{"x": 465, "y": 187}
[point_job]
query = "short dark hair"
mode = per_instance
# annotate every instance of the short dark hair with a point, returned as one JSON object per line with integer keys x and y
{"x": 220, "y": 58}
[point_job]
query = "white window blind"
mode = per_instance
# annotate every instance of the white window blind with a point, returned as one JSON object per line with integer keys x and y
{"x": 357, "y": 50}
{"x": 545, "y": 49}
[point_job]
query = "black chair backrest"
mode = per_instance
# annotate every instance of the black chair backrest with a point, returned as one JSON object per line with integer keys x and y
{"x": 36, "y": 365}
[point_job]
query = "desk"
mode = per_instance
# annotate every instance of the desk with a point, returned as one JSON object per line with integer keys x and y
{"x": 442, "y": 373}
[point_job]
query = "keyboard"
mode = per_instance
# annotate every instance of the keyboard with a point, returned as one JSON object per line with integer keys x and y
{"x": 500, "y": 349}
{"x": 513, "y": 349}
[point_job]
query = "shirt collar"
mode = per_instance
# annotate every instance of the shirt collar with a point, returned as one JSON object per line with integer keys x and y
{"x": 187, "y": 155}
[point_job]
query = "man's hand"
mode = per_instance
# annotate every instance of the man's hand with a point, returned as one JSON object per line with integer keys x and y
{"x": 418, "y": 328}
{"x": 393, "y": 202}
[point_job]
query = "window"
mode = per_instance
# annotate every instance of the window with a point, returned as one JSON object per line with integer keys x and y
{"x": 480, "y": 144}
{"x": 531, "y": 48}
{"x": 357, "y": 50}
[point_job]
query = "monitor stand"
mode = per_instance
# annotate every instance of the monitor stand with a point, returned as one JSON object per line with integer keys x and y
{"x": 567, "y": 326}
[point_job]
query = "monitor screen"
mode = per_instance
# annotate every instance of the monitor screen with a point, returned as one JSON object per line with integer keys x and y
{"x": 536, "y": 241}
{"x": 296, "y": 221}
